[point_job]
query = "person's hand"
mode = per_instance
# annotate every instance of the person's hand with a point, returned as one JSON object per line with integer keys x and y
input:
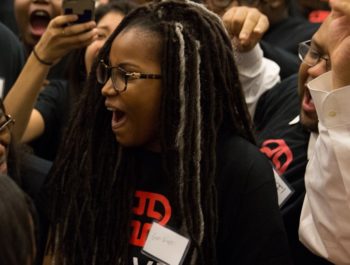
{"x": 59, "y": 39}
{"x": 338, "y": 43}
{"x": 246, "y": 26}
{"x": 340, "y": 5}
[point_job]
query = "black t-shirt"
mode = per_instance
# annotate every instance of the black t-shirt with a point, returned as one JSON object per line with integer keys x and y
{"x": 286, "y": 144}
{"x": 59, "y": 70}
{"x": 53, "y": 105}
{"x": 12, "y": 58}
{"x": 33, "y": 173}
{"x": 250, "y": 225}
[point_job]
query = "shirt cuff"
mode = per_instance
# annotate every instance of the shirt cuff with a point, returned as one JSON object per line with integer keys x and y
{"x": 249, "y": 60}
{"x": 332, "y": 106}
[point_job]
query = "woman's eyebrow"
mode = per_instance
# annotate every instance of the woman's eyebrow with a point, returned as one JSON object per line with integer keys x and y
{"x": 130, "y": 65}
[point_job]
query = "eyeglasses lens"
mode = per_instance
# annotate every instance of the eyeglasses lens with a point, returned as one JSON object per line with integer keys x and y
{"x": 118, "y": 79}
{"x": 102, "y": 73}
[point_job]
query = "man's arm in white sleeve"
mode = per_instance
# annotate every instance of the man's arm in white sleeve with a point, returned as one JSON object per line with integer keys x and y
{"x": 325, "y": 218}
{"x": 257, "y": 75}
{"x": 246, "y": 26}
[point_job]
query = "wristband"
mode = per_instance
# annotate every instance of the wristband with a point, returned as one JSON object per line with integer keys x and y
{"x": 39, "y": 59}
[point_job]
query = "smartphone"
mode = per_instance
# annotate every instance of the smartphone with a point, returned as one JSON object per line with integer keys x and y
{"x": 85, "y": 9}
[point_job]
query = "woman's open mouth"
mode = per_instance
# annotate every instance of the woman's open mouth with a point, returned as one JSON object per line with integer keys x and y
{"x": 39, "y": 20}
{"x": 118, "y": 119}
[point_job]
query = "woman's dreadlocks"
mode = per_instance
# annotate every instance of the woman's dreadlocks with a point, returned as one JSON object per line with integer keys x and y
{"x": 91, "y": 185}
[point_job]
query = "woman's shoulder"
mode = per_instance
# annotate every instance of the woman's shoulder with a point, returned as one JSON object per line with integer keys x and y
{"x": 242, "y": 162}
{"x": 248, "y": 208}
{"x": 234, "y": 148}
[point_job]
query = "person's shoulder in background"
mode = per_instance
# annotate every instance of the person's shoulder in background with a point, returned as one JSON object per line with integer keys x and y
{"x": 12, "y": 59}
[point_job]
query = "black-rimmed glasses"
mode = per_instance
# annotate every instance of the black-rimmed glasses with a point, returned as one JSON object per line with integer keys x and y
{"x": 8, "y": 123}
{"x": 309, "y": 55}
{"x": 119, "y": 76}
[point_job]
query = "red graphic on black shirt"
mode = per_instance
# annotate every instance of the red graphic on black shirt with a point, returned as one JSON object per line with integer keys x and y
{"x": 279, "y": 153}
{"x": 148, "y": 202}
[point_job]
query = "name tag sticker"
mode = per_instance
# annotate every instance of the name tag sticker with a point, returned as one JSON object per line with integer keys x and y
{"x": 165, "y": 246}
{"x": 284, "y": 191}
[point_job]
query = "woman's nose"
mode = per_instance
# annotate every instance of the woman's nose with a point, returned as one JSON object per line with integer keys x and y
{"x": 108, "y": 89}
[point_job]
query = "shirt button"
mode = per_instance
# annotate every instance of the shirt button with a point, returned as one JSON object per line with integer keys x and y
{"x": 332, "y": 113}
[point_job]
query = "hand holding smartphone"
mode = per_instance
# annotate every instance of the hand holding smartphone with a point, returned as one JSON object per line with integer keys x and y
{"x": 85, "y": 9}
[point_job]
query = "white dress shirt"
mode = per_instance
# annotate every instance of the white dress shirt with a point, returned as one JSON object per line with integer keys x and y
{"x": 325, "y": 219}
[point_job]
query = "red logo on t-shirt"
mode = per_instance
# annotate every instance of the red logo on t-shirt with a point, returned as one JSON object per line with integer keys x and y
{"x": 279, "y": 153}
{"x": 140, "y": 230}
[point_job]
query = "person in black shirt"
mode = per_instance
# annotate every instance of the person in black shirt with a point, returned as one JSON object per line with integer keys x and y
{"x": 12, "y": 59}
{"x": 284, "y": 138}
{"x": 168, "y": 140}
{"x": 52, "y": 104}
{"x": 56, "y": 42}
{"x": 28, "y": 172}
{"x": 7, "y": 16}
{"x": 286, "y": 125}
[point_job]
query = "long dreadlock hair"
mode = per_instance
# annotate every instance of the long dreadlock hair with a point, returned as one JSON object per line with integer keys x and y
{"x": 91, "y": 185}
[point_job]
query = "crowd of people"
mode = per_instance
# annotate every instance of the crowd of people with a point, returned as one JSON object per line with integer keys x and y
{"x": 175, "y": 132}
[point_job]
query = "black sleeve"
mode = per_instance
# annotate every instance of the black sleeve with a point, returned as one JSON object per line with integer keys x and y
{"x": 53, "y": 105}
{"x": 33, "y": 172}
{"x": 51, "y": 102}
{"x": 278, "y": 104}
{"x": 251, "y": 229}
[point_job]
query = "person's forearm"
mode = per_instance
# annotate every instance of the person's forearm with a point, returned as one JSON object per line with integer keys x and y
{"x": 53, "y": 45}
{"x": 20, "y": 100}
